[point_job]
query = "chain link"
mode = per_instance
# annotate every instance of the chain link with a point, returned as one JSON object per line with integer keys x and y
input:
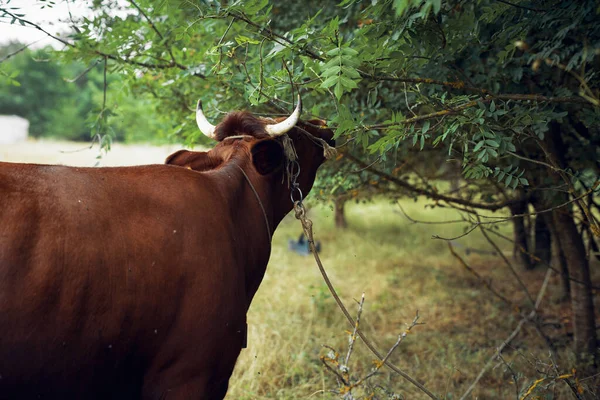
{"x": 294, "y": 171}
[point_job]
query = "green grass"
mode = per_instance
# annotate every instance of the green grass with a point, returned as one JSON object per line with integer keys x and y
{"x": 401, "y": 269}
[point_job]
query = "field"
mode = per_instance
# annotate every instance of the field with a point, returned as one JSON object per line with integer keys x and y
{"x": 401, "y": 269}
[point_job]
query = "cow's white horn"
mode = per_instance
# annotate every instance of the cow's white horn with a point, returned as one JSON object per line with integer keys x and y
{"x": 205, "y": 127}
{"x": 284, "y": 126}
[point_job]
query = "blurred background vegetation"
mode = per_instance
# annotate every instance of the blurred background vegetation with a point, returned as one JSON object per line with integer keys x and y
{"x": 62, "y": 99}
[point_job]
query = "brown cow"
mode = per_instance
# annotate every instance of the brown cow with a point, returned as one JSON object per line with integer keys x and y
{"x": 134, "y": 282}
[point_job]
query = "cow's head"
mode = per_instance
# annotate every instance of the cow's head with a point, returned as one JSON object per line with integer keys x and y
{"x": 269, "y": 151}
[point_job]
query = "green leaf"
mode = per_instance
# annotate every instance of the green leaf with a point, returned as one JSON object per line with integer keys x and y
{"x": 425, "y": 128}
{"x": 349, "y": 51}
{"x": 332, "y": 80}
{"x": 351, "y": 72}
{"x": 241, "y": 39}
{"x": 339, "y": 90}
{"x": 348, "y": 83}
{"x": 335, "y": 70}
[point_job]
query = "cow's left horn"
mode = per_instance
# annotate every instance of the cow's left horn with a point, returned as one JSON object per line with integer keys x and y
{"x": 205, "y": 127}
{"x": 284, "y": 126}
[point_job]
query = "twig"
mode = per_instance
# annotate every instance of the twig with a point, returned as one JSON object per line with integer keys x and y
{"x": 155, "y": 29}
{"x": 381, "y": 363}
{"x": 510, "y": 266}
{"x": 513, "y": 374}
{"x": 485, "y": 283}
{"x": 432, "y": 195}
{"x": 88, "y": 69}
{"x": 514, "y": 333}
{"x": 475, "y": 226}
{"x": 307, "y": 228}
{"x": 101, "y": 53}
{"x": 460, "y": 85}
{"x": 356, "y": 324}
{"x": 520, "y": 6}
{"x": 21, "y": 49}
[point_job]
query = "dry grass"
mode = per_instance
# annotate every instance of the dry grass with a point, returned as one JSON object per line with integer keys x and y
{"x": 401, "y": 269}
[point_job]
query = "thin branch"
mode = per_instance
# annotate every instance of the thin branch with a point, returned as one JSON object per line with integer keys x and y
{"x": 100, "y": 53}
{"x": 389, "y": 353}
{"x": 475, "y": 226}
{"x": 155, "y": 29}
{"x": 513, "y": 374}
{"x": 270, "y": 34}
{"x": 356, "y": 324}
{"x": 88, "y": 69}
{"x": 460, "y": 85}
{"x": 39, "y": 28}
{"x": 485, "y": 283}
{"x": 514, "y": 334}
{"x": 432, "y": 195}
{"x": 520, "y": 6}
{"x": 510, "y": 266}
{"x": 14, "y": 53}
{"x": 541, "y": 261}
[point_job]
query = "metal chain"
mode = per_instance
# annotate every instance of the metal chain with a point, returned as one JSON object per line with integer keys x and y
{"x": 294, "y": 171}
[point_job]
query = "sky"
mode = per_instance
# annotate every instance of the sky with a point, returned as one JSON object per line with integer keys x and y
{"x": 47, "y": 18}
{"x": 53, "y": 19}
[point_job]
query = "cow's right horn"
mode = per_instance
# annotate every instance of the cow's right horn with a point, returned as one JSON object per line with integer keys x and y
{"x": 284, "y": 126}
{"x": 205, "y": 127}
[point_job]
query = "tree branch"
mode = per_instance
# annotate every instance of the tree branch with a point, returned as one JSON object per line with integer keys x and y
{"x": 153, "y": 26}
{"x": 172, "y": 64}
{"x": 427, "y": 193}
{"x": 460, "y": 85}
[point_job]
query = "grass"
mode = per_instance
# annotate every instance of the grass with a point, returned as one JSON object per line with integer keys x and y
{"x": 401, "y": 269}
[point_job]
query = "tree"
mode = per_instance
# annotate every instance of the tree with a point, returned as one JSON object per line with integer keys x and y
{"x": 508, "y": 89}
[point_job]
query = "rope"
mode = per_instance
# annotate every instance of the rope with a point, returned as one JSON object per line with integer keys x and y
{"x": 308, "y": 232}
{"x": 259, "y": 202}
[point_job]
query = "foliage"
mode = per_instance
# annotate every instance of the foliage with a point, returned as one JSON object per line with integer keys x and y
{"x": 63, "y": 99}
{"x": 479, "y": 81}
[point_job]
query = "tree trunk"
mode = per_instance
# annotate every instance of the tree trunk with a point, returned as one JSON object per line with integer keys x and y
{"x": 521, "y": 246}
{"x": 543, "y": 243}
{"x": 340, "y": 216}
{"x": 584, "y": 324}
{"x": 562, "y": 260}
{"x": 582, "y": 305}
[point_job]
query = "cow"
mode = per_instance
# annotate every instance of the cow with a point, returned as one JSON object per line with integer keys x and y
{"x": 134, "y": 282}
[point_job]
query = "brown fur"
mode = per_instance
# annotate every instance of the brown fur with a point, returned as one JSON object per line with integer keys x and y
{"x": 134, "y": 283}
{"x": 241, "y": 123}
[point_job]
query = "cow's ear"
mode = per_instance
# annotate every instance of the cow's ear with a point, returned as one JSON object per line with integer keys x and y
{"x": 267, "y": 156}
{"x": 196, "y": 160}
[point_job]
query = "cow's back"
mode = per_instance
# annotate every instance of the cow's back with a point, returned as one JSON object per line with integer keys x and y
{"x": 97, "y": 266}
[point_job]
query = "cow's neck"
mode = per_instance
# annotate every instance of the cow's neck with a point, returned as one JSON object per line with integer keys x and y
{"x": 251, "y": 202}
